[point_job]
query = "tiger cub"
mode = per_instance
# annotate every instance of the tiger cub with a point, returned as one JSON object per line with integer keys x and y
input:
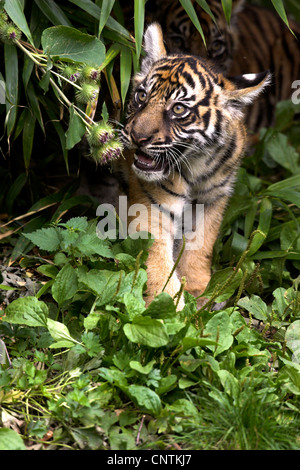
{"x": 186, "y": 137}
{"x": 256, "y": 39}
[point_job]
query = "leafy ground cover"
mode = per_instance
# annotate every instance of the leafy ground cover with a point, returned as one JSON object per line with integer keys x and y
{"x": 83, "y": 363}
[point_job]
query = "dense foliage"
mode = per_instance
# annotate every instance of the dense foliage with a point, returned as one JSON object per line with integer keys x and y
{"x": 84, "y": 364}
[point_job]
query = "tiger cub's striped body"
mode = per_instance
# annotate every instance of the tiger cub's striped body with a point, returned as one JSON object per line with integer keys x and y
{"x": 256, "y": 39}
{"x": 186, "y": 134}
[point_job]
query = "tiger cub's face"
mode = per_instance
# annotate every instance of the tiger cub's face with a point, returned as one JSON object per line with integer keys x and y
{"x": 181, "y": 110}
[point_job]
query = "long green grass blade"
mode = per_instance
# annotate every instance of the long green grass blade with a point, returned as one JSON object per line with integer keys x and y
{"x": 279, "y": 7}
{"x": 53, "y": 12}
{"x": 12, "y": 85}
{"x": 107, "y": 6}
{"x": 188, "y": 6}
{"x": 15, "y": 12}
{"x": 139, "y": 18}
{"x": 28, "y": 137}
{"x": 227, "y": 8}
{"x": 203, "y": 4}
{"x": 126, "y": 66}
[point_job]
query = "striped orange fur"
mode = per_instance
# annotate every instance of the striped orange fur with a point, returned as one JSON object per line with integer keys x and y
{"x": 185, "y": 137}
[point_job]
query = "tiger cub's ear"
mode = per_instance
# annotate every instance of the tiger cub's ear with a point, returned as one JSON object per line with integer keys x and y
{"x": 153, "y": 45}
{"x": 242, "y": 90}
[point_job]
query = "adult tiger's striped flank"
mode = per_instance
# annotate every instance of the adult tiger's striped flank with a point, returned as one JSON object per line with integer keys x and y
{"x": 256, "y": 39}
{"x": 185, "y": 137}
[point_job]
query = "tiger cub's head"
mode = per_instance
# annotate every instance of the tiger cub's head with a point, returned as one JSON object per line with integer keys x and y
{"x": 181, "y": 110}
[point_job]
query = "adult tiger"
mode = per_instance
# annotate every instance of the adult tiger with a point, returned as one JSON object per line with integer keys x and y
{"x": 186, "y": 138}
{"x": 256, "y": 39}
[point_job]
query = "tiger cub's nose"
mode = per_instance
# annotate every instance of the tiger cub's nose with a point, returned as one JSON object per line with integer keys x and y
{"x": 141, "y": 139}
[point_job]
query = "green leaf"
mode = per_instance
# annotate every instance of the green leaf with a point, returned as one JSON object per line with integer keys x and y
{"x": 256, "y": 306}
{"x": 27, "y": 311}
{"x": 10, "y": 440}
{"x": 283, "y": 153}
{"x": 139, "y": 17}
{"x": 146, "y": 331}
{"x": 105, "y": 12}
{"x": 53, "y": 12}
{"x": 28, "y": 138}
{"x": 75, "y": 130}
{"x": 135, "y": 365}
{"x": 219, "y": 329}
{"x": 279, "y": 7}
{"x": 292, "y": 337}
{"x": 264, "y": 223}
{"x": 146, "y": 398}
{"x": 65, "y": 285}
{"x": 227, "y": 8}
{"x": 133, "y": 306}
{"x": 188, "y": 6}
{"x": 104, "y": 284}
{"x": 60, "y": 334}
{"x": 12, "y": 85}
{"x": 126, "y": 66}
{"x": 15, "y": 12}
{"x": 70, "y": 44}
{"x": 46, "y": 238}
{"x": 218, "y": 282}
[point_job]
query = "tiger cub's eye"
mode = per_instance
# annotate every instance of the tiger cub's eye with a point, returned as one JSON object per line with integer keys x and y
{"x": 179, "y": 109}
{"x": 141, "y": 96}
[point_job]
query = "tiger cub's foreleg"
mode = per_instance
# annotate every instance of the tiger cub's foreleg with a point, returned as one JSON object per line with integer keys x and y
{"x": 195, "y": 262}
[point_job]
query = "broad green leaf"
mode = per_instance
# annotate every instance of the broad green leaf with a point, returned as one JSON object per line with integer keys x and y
{"x": 11, "y": 440}
{"x": 48, "y": 239}
{"x": 188, "y": 6}
{"x": 162, "y": 307}
{"x": 256, "y": 306}
{"x": 146, "y": 331}
{"x": 146, "y": 398}
{"x": 53, "y": 12}
{"x": 230, "y": 384}
{"x": 282, "y": 152}
{"x": 135, "y": 365}
{"x": 76, "y": 129}
{"x": 139, "y": 17}
{"x": 65, "y": 285}
{"x": 292, "y": 337}
{"x": 70, "y": 44}
{"x": 27, "y": 311}
{"x": 166, "y": 384}
{"x": 264, "y": 223}
{"x": 15, "y": 12}
{"x": 60, "y": 334}
{"x": 219, "y": 329}
{"x": 218, "y": 281}
{"x": 104, "y": 284}
{"x": 133, "y": 306}
{"x": 12, "y": 85}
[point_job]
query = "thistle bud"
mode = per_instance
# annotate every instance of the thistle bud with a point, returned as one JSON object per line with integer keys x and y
{"x": 89, "y": 73}
{"x": 70, "y": 72}
{"x": 107, "y": 152}
{"x": 88, "y": 92}
{"x": 9, "y": 32}
{"x": 100, "y": 133}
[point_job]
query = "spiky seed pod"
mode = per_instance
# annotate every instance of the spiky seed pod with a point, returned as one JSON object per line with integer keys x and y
{"x": 89, "y": 73}
{"x": 100, "y": 133}
{"x": 9, "y": 33}
{"x": 3, "y": 16}
{"x": 107, "y": 152}
{"x": 70, "y": 72}
{"x": 88, "y": 92}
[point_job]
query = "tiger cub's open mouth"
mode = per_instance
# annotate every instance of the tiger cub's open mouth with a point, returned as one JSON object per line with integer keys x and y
{"x": 145, "y": 162}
